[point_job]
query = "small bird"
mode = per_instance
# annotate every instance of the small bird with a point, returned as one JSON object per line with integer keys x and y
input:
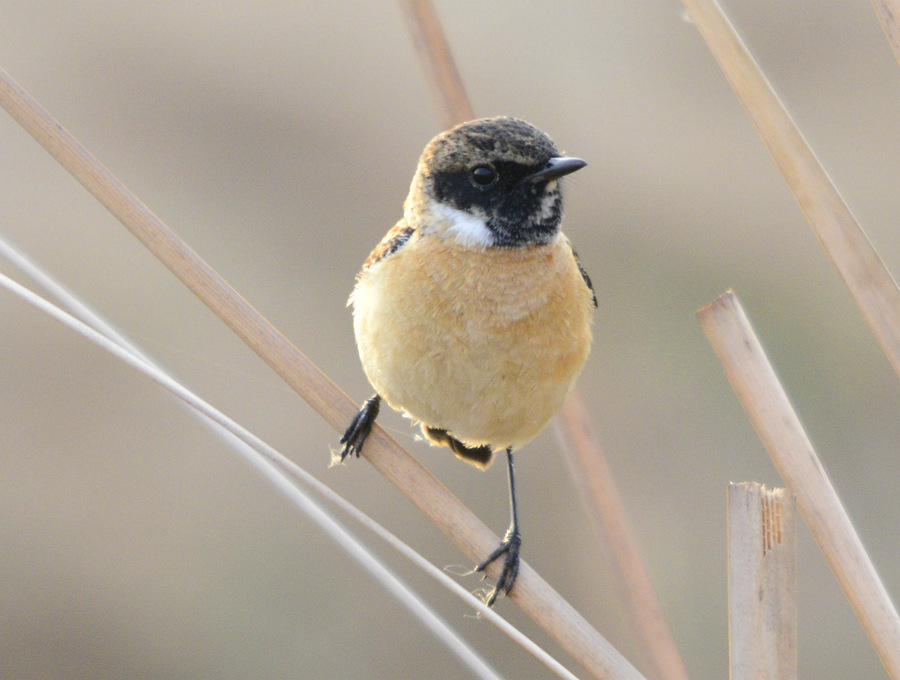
{"x": 473, "y": 314}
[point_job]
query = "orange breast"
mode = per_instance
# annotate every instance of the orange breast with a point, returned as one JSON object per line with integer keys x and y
{"x": 485, "y": 343}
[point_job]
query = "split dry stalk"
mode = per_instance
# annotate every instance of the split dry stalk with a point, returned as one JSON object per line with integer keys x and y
{"x": 762, "y": 583}
{"x": 874, "y": 291}
{"x": 764, "y": 399}
{"x": 539, "y": 601}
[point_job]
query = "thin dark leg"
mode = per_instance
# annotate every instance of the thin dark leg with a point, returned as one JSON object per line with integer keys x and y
{"x": 510, "y": 546}
{"x": 360, "y": 427}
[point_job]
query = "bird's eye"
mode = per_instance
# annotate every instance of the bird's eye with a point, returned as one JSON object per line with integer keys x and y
{"x": 484, "y": 175}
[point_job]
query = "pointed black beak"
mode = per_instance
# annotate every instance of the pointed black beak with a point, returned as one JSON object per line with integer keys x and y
{"x": 556, "y": 168}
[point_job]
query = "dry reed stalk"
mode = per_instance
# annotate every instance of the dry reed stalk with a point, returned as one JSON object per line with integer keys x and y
{"x": 888, "y": 12}
{"x": 845, "y": 243}
{"x": 442, "y": 77}
{"x": 640, "y": 605}
{"x": 762, "y": 583}
{"x": 763, "y": 398}
{"x": 536, "y": 598}
{"x": 650, "y": 631}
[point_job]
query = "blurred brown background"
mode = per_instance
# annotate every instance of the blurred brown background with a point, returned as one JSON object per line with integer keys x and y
{"x": 279, "y": 139}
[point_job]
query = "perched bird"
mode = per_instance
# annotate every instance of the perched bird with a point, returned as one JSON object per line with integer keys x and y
{"x": 473, "y": 314}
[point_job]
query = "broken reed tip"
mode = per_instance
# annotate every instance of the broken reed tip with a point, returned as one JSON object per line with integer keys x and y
{"x": 772, "y": 507}
{"x": 726, "y": 299}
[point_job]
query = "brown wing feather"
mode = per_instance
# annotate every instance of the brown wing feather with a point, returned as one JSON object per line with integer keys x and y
{"x": 395, "y": 239}
{"x": 587, "y": 279}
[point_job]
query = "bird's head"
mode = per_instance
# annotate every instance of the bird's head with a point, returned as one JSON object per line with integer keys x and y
{"x": 492, "y": 182}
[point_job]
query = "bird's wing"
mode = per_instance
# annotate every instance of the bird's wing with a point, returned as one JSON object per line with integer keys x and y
{"x": 395, "y": 239}
{"x": 587, "y": 279}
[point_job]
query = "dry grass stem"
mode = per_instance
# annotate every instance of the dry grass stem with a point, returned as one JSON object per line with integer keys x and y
{"x": 80, "y": 319}
{"x": 558, "y": 618}
{"x": 444, "y": 83}
{"x": 762, "y": 583}
{"x": 888, "y": 12}
{"x": 651, "y": 633}
{"x": 763, "y": 398}
{"x": 269, "y": 463}
{"x": 844, "y": 241}
{"x": 649, "y": 627}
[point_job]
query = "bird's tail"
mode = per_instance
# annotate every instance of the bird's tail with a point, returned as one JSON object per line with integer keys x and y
{"x": 479, "y": 456}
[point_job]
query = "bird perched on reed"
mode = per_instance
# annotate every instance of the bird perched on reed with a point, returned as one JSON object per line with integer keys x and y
{"x": 473, "y": 314}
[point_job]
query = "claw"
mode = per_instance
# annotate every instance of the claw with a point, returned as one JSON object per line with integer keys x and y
{"x": 510, "y": 547}
{"x": 360, "y": 427}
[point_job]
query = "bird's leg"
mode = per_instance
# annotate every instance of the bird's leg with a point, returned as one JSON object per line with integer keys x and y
{"x": 360, "y": 427}
{"x": 510, "y": 546}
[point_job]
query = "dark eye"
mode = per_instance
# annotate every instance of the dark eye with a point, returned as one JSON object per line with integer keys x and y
{"x": 484, "y": 175}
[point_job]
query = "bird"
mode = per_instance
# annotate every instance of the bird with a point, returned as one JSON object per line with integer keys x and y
{"x": 473, "y": 315}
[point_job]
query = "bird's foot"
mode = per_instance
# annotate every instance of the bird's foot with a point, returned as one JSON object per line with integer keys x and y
{"x": 510, "y": 546}
{"x": 360, "y": 427}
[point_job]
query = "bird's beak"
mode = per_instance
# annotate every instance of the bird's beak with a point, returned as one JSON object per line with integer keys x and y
{"x": 557, "y": 167}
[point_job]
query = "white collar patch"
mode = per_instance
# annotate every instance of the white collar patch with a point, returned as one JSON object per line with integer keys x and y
{"x": 467, "y": 229}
